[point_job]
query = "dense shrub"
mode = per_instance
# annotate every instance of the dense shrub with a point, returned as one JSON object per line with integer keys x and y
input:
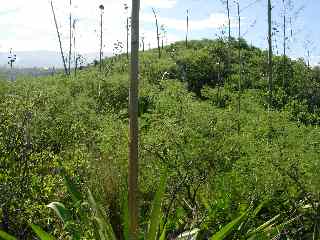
{"x": 189, "y": 127}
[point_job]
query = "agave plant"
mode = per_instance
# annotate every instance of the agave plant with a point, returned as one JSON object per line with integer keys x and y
{"x": 97, "y": 216}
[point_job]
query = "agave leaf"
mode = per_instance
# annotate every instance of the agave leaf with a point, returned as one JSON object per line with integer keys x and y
{"x": 156, "y": 209}
{"x": 278, "y": 228}
{"x": 226, "y": 230}
{"x": 41, "y": 233}
{"x": 62, "y": 212}
{"x": 262, "y": 227}
{"x": 6, "y": 236}
{"x": 258, "y": 209}
{"x": 104, "y": 227}
{"x": 163, "y": 234}
{"x": 72, "y": 189}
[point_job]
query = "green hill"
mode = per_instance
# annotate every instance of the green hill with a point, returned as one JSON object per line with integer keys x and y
{"x": 219, "y": 162}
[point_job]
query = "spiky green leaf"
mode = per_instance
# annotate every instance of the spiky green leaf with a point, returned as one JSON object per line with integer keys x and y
{"x": 226, "y": 230}
{"x": 62, "y": 212}
{"x": 6, "y": 236}
{"x": 156, "y": 209}
{"x": 41, "y": 233}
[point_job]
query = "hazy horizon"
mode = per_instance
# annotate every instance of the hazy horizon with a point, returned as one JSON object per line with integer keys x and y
{"x": 40, "y": 59}
{"x": 22, "y": 30}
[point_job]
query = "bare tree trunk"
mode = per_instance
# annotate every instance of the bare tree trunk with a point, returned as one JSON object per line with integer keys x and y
{"x": 240, "y": 67}
{"x": 158, "y": 36}
{"x": 133, "y": 124}
{"x": 270, "y": 52}
{"x": 59, "y": 38}
{"x": 70, "y": 39}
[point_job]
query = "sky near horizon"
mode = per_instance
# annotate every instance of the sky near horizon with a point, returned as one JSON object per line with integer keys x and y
{"x": 29, "y": 26}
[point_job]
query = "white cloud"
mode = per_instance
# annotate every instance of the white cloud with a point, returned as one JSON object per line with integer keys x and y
{"x": 159, "y": 3}
{"x": 215, "y": 20}
{"x": 151, "y": 38}
{"x": 29, "y": 25}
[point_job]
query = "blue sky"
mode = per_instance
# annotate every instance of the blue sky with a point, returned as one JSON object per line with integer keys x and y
{"x": 28, "y": 25}
{"x": 302, "y": 18}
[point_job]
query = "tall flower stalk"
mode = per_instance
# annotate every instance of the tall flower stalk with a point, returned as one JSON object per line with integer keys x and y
{"x": 187, "y": 29}
{"x": 270, "y": 52}
{"x": 101, "y": 7}
{"x": 157, "y": 30}
{"x": 59, "y": 38}
{"x": 70, "y": 38}
{"x": 240, "y": 66}
{"x": 133, "y": 124}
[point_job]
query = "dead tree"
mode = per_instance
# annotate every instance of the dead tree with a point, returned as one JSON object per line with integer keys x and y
{"x": 157, "y": 28}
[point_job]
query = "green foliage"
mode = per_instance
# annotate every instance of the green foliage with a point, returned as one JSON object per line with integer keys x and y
{"x": 57, "y": 133}
{"x": 156, "y": 209}
{"x": 225, "y": 231}
{"x": 6, "y": 236}
{"x": 40, "y": 233}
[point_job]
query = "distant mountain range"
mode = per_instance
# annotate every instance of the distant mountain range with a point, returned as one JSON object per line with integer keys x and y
{"x": 40, "y": 59}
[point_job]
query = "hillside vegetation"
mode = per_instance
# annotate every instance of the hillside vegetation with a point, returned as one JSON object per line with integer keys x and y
{"x": 220, "y": 164}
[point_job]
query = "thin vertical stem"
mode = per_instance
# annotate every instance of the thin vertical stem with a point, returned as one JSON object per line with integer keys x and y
{"x": 240, "y": 67}
{"x": 229, "y": 22}
{"x": 187, "y": 33}
{"x": 142, "y": 44}
{"x": 70, "y": 39}
{"x": 101, "y": 39}
{"x": 133, "y": 124}
{"x": 229, "y": 41}
{"x": 270, "y": 52}
{"x": 158, "y": 35}
{"x": 127, "y": 37}
{"x": 59, "y": 38}
{"x": 74, "y": 49}
{"x": 284, "y": 45}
